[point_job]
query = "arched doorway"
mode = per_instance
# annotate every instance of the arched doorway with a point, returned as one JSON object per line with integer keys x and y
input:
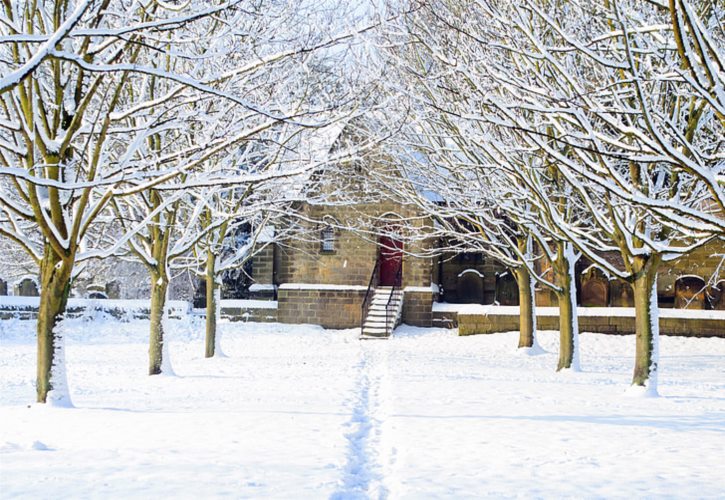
{"x": 391, "y": 261}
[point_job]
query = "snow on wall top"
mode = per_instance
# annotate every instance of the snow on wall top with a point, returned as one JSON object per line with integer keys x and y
{"x": 582, "y": 311}
{"x": 317, "y": 286}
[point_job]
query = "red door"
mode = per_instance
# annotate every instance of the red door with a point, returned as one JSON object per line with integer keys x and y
{"x": 391, "y": 258}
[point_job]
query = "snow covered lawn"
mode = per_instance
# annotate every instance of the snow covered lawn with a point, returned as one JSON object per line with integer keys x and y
{"x": 300, "y": 412}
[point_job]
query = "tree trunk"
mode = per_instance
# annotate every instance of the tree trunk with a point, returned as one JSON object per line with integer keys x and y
{"x": 159, "y": 288}
{"x": 527, "y": 308}
{"x": 566, "y": 295}
{"x": 646, "y": 326}
{"x": 55, "y": 282}
{"x": 211, "y": 305}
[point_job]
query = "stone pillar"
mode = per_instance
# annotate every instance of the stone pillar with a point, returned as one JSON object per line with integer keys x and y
{"x": 263, "y": 274}
{"x": 418, "y": 306}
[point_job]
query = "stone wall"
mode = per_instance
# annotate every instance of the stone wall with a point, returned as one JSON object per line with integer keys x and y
{"x": 352, "y": 261}
{"x": 453, "y": 265}
{"x": 263, "y": 265}
{"x": 473, "y": 324}
{"x": 330, "y": 308}
{"x": 417, "y": 307}
{"x": 250, "y": 314}
{"x": 703, "y": 262}
{"x": 26, "y": 308}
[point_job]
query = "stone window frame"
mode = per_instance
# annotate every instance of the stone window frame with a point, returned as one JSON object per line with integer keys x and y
{"x": 328, "y": 240}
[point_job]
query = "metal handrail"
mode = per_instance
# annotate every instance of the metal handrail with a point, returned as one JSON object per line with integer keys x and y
{"x": 396, "y": 286}
{"x": 374, "y": 276}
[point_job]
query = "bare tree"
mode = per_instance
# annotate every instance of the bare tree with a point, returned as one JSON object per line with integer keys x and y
{"x": 96, "y": 104}
{"x": 597, "y": 95}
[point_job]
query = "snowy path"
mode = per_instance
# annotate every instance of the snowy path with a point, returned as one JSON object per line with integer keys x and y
{"x": 299, "y": 412}
{"x": 369, "y": 454}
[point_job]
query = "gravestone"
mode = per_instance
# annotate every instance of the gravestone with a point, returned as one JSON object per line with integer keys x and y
{"x": 621, "y": 293}
{"x": 716, "y": 296}
{"x": 690, "y": 292}
{"x": 545, "y": 297}
{"x": 666, "y": 288}
{"x": 27, "y": 288}
{"x": 507, "y": 291}
{"x": 113, "y": 290}
{"x": 470, "y": 287}
{"x": 199, "y": 301}
{"x": 595, "y": 288}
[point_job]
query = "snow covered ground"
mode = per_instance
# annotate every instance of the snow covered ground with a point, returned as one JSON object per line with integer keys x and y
{"x": 300, "y": 412}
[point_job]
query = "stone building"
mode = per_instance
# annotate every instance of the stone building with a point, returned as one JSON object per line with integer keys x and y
{"x": 337, "y": 277}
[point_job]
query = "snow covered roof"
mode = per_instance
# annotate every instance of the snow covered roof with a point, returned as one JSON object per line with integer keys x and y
{"x": 312, "y": 149}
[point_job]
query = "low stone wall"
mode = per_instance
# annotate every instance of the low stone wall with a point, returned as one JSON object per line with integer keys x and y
{"x": 417, "y": 303}
{"x": 445, "y": 319}
{"x": 26, "y": 308}
{"x": 330, "y": 307}
{"x": 253, "y": 314}
{"x": 620, "y": 321}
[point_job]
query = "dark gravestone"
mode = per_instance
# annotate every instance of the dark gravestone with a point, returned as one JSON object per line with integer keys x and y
{"x": 621, "y": 294}
{"x": 595, "y": 288}
{"x": 507, "y": 291}
{"x": 113, "y": 290}
{"x": 690, "y": 292}
{"x": 199, "y": 301}
{"x": 470, "y": 287}
{"x": 27, "y": 288}
{"x": 716, "y": 296}
{"x": 3, "y": 287}
{"x": 545, "y": 297}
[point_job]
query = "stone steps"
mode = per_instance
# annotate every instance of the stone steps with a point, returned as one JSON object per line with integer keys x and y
{"x": 375, "y": 325}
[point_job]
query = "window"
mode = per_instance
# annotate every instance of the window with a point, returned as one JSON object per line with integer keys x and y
{"x": 328, "y": 240}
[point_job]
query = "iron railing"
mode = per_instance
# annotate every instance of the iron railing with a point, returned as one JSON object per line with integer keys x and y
{"x": 374, "y": 278}
{"x": 391, "y": 314}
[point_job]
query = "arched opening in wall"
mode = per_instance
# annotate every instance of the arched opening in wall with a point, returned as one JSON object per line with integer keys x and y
{"x": 391, "y": 261}
{"x": 3, "y": 287}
